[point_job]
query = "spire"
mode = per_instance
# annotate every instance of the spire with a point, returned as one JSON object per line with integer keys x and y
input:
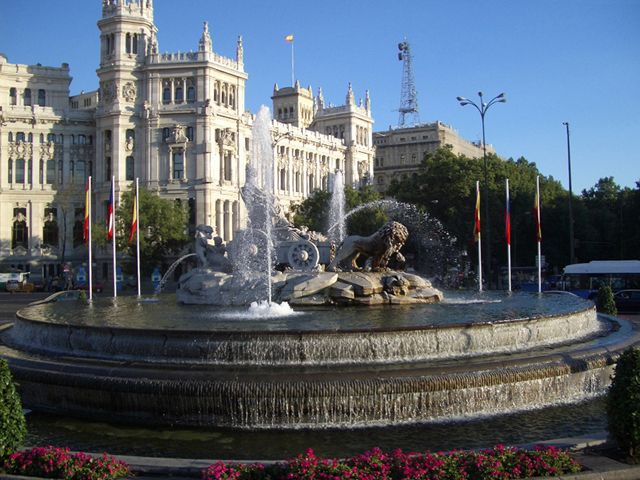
{"x": 206, "y": 45}
{"x": 367, "y": 101}
{"x": 297, "y": 85}
{"x": 275, "y": 88}
{"x": 240, "y": 51}
{"x": 320, "y": 99}
{"x": 350, "y": 99}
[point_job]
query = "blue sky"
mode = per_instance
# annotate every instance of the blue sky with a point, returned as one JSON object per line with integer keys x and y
{"x": 557, "y": 61}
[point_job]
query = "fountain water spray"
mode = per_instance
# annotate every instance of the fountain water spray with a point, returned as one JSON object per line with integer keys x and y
{"x": 337, "y": 220}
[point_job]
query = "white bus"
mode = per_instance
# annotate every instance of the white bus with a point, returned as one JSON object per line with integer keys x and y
{"x": 584, "y": 279}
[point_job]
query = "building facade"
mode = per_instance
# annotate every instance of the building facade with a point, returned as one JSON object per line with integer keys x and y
{"x": 400, "y": 151}
{"x": 177, "y": 121}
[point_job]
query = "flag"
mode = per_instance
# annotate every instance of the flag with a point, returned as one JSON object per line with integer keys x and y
{"x": 507, "y": 221}
{"x": 134, "y": 217}
{"x": 110, "y": 214}
{"x": 87, "y": 210}
{"x": 536, "y": 214}
{"x": 476, "y": 223}
{"x": 288, "y": 38}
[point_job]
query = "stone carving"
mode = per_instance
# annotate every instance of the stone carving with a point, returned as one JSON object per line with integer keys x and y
{"x": 211, "y": 257}
{"x": 129, "y": 92}
{"x": 178, "y": 135}
{"x": 381, "y": 246}
{"x": 108, "y": 92}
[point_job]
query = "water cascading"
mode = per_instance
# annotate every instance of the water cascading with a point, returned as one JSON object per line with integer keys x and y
{"x": 337, "y": 224}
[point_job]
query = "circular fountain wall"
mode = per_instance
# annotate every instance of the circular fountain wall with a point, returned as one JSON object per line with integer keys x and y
{"x": 160, "y": 363}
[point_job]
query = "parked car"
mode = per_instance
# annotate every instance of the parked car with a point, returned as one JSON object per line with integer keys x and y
{"x": 18, "y": 282}
{"x": 627, "y": 300}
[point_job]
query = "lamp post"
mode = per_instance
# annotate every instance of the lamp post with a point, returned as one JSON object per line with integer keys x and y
{"x": 482, "y": 109}
{"x": 572, "y": 256}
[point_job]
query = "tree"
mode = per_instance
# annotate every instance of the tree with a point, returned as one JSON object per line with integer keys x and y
{"x": 13, "y": 426}
{"x": 163, "y": 228}
{"x": 68, "y": 197}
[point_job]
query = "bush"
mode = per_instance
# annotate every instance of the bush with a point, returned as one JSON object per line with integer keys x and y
{"x": 498, "y": 462}
{"x": 605, "y": 302}
{"x": 623, "y": 404}
{"x": 13, "y": 426}
{"x": 52, "y": 462}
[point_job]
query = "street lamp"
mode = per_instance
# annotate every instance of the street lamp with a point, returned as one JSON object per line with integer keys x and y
{"x": 572, "y": 255}
{"x": 482, "y": 109}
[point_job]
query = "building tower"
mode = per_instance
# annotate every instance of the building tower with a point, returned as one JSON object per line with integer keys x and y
{"x": 408, "y": 94}
{"x": 127, "y": 32}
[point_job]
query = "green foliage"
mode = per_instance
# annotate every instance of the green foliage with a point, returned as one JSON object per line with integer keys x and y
{"x": 13, "y": 427}
{"x": 163, "y": 227}
{"x": 606, "y": 217}
{"x": 313, "y": 211}
{"x": 623, "y": 403}
{"x": 605, "y": 302}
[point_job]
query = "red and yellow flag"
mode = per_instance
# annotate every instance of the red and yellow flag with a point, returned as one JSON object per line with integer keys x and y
{"x": 476, "y": 216}
{"x": 87, "y": 210}
{"x": 288, "y": 38}
{"x": 134, "y": 217}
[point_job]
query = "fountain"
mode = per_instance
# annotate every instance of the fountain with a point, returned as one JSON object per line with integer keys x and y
{"x": 359, "y": 348}
{"x": 337, "y": 221}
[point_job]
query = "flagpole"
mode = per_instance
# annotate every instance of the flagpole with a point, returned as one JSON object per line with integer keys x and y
{"x": 479, "y": 240}
{"x": 138, "y": 236}
{"x": 88, "y": 207}
{"x": 113, "y": 237}
{"x": 538, "y": 235}
{"x": 292, "y": 65}
{"x": 508, "y": 226}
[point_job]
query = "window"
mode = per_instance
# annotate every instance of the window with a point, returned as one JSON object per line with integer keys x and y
{"x": 129, "y": 168}
{"x": 51, "y": 171}
{"x": 165, "y": 133}
{"x": 80, "y": 172}
{"x": 26, "y": 97}
{"x": 10, "y": 137}
{"x": 42, "y": 138}
{"x": 177, "y": 166}
{"x": 191, "y": 94}
{"x": 232, "y": 98}
{"x": 166, "y": 95}
{"x": 107, "y": 165}
{"x": 179, "y": 95}
{"x": 41, "y": 97}
{"x": 50, "y": 227}
{"x": 190, "y": 133}
{"x": 128, "y": 42}
{"x": 13, "y": 96}
{"x": 51, "y": 138}
{"x": 10, "y": 170}
{"x": 130, "y": 134}
{"x": 20, "y": 137}
{"x": 227, "y": 167}
{"x": 20, "y": 230}
{"x": 78, "y": 227}
{"x": 283, "y": 179}
{"x": 20, "y": 170}
{"x": 82, "y": 139}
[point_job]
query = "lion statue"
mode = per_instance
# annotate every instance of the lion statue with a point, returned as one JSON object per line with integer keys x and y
{"x": 382, "y": 246}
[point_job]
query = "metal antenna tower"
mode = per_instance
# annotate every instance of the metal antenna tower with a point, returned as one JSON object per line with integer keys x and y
{"x": 408, "y": 94}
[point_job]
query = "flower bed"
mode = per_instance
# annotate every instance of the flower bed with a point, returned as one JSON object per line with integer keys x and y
{"x": 499, "y": 462}
{"x": 52, "y": 462}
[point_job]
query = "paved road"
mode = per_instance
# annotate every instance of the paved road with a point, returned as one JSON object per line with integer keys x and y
{"x": 11, "y": 302}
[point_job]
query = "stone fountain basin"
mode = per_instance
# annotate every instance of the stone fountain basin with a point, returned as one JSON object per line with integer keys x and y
{"x": 342, "y": 367}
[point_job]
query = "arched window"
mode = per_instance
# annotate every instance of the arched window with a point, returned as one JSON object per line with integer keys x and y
{"x": 228, "y": 170}
{"x": 42, "y": 138}
{"x": 82, "y": 139}
{"x": 127, "y": 42}
{"x": 134, "y": 45}
{"x": 13, "y": 96}
{"x": 130, "y": 134}
{"x": 51, "y": 137}
{"x": 165, "y": 133}
{"x": 10, "y": 137}
{"x": 311, "y": 186}
{"x": 232, "y": 98}
{"x": 190, "y": 133}
{"x": 10, "y": 170}
{"x": 216, "y": 92}
{"x": 41, "y": 97}
{"x": 223, "y": 96}
{"x": 191, "y": 91}
{"x": 20, "y": 137}
{"x": 30, "y": 137}
{"x": 26, "y": 97}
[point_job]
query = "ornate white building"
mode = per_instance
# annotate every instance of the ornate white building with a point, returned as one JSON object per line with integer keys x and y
{"x": 177, "y": 121}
